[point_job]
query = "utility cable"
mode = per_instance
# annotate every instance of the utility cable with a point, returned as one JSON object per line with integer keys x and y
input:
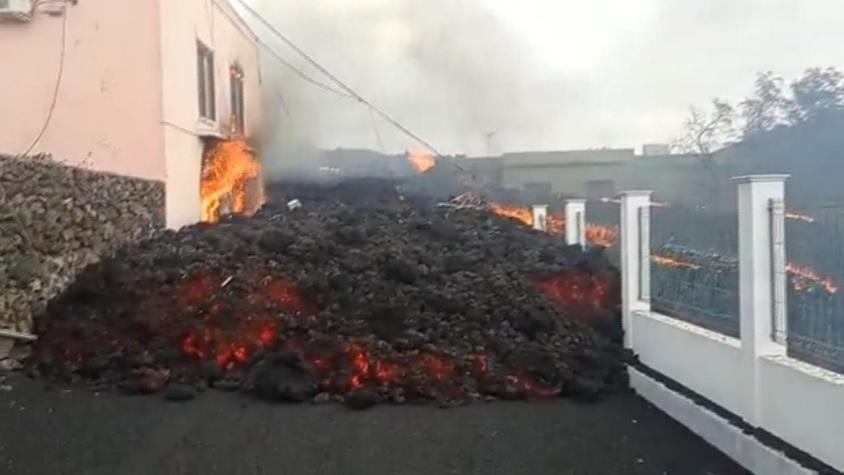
{"x": 351, "y": 92}
{"x": 56, "y": 89}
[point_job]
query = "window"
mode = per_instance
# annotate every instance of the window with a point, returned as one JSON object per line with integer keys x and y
{"x": 205, "y": 68}
{"x": 238, "y": 110}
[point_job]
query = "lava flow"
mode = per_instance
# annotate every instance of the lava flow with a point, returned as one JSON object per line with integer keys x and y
{"x": 519, "y": 213}
{"x": 599, "y": 235}
{"x": 804, "y": 277}
{"x": 227, "y": 172}
{"x": 666, "y": 261}
{"x": 579, "y": 291}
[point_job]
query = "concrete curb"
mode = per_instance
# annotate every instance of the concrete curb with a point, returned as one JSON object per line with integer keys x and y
{"x": 745, "y": 449}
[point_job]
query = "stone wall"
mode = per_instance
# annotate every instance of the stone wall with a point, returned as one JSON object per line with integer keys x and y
{"x": 55, "y": 220}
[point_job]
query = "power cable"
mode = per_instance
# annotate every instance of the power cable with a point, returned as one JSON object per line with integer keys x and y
{"x": 56, "y": 89}
{"x": 351, "y": 92}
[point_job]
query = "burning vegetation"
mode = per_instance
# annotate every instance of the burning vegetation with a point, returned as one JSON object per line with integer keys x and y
{"x": 365, "y": 301}
{"x": 421, "y": 161}
{"x": 230, "y": 180}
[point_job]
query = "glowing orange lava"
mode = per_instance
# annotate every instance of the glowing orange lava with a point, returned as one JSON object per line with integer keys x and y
{"x": 520, "y": 213}
{"x": 666, "y": 261}
{"x": 422, "y": 161}
{"x": 806, "y": 273}
{"x": 227, "y": 171}
{"x": 598, "y": 235}
{"x": 578, "y": 290}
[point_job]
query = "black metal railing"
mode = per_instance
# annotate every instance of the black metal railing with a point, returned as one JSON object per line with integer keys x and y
{"x": 815, "y": 251}
{"x": 694, "y": 268}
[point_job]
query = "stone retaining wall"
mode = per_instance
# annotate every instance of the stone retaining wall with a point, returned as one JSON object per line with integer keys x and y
{"x": 55, "y": 220}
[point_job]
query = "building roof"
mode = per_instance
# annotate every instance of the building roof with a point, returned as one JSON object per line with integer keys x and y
{"x": 567, "y": 157}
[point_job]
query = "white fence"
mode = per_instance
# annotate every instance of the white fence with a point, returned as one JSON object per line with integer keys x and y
{"x": 751, "y": 376}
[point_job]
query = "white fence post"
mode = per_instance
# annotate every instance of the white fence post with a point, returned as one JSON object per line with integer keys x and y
{"x": 540, "y": 217}
{"x": 761, "y": 250}
{"x": 635, "y": 258}
{"x": 576, "y": 222}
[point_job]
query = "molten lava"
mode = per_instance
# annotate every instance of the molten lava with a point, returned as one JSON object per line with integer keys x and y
{"x": 666, "y": 261}
{"x": 519, "y": 213}
{"x": 578, "y": 291}
{"x": 598, "y": 235}
{"x": 804, "y": 277}
{"x": 422, "y": 161}
{"x": 227, "y": 171}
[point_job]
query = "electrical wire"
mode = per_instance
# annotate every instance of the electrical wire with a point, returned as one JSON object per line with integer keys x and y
{"x": 56, "y": 89}
{"x": 351, "y": 92}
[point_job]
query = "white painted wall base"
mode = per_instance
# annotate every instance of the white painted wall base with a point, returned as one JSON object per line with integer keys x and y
{"x": 717, "y": 431}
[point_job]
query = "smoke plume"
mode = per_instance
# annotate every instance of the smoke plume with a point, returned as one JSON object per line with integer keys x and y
{"x": 434, "y": 65}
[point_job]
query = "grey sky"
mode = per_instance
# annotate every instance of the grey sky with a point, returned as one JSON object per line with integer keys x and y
{"x": 542, "y": 74}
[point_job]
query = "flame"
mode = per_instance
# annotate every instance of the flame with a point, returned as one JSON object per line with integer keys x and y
{"x": 228, "y": 167}
{"x": 798, "y": 216}
{"x": 666, "y": 261}
{"x": 520, "y": 213}
{"x": 808, "y": 275}
{"x": 422, "y": 161}
{"x": 599, "y": 235}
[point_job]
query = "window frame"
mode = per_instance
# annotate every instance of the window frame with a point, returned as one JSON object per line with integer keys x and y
{"x": 207, "y": 91}
{"x": 237, "y": 98}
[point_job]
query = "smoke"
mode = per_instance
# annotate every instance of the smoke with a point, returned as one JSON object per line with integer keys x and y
{"x": 438, "y": 65}
{"x": 489, "y": 76}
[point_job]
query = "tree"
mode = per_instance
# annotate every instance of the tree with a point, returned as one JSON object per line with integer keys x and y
{"x": 707, "y": 132}
{"x": 767, "y": 108}
{"x": 818, "y": 93}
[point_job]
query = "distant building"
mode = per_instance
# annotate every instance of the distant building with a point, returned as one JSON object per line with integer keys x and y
{"x": 593, "y": 174}
{"x": 142, "y": 86}
{"x": 656, "y": 149}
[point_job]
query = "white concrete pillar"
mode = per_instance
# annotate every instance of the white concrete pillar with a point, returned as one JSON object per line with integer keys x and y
{"x": 635, "y": 258}
{"x": 575, "y": 222}
{"x": 540, "y": 217}
{"x": 758, "y": 196}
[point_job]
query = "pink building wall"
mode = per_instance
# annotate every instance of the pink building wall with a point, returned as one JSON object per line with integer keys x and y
{"x": 128, "y": 102}
{"x": 109, "y": 105}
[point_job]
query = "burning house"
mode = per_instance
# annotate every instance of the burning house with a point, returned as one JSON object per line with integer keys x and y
{"x": 151, "y": 90}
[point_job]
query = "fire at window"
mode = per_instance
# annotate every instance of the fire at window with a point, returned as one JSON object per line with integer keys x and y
{"x": 231, "y": 180}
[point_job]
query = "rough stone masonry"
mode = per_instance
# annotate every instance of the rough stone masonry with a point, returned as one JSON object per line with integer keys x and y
{"x": 55, "y": 220}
